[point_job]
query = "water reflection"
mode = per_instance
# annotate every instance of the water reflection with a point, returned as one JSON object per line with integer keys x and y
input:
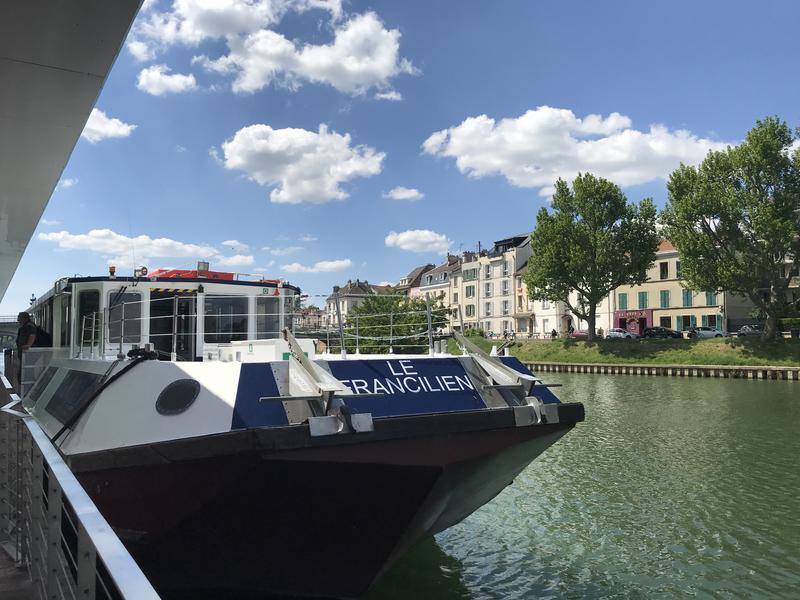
{"x": 428, "y": 571}
{"x": 672, "y": 488}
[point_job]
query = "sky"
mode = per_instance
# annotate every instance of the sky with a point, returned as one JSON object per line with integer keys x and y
{"x": 318, "y": 141}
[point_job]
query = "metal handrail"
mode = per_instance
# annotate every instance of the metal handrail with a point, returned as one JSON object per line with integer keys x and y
{"x": 404, "y": 325}
{"x": 37, "y": 492}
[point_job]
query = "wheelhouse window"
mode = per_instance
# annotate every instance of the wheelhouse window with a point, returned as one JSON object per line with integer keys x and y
{"x": 88, "y": 305}
{"x": 268, "y": 318}
{"x": 225, "y": 319}
{"x": 124, "y": 312}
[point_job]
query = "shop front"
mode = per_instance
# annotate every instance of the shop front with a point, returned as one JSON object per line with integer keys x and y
{"x": 635, "y": 321}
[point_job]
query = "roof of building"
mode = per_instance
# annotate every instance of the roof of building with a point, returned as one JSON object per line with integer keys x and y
{"x": 666, "y": 246}
{"x": 415, "y": 275}
{"x": 360, "y": 288}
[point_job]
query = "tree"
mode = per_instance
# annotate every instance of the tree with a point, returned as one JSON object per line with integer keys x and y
{"x": 388, "y": 321}
{"x": 593, "y": 242}
{"x": 736, "y": 219}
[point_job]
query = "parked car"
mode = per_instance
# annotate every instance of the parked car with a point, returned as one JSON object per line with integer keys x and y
{"x": 748, "y": 330}
{"x": 662, "y": 333}
{"x": 621, "y": 333}
{"x": 705, "y": 332}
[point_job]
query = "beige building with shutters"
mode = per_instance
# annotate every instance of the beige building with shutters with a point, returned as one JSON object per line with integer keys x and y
{"x": 664, "y": 301}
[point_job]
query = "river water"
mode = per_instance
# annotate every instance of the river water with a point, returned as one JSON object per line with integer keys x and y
{"x": 671, "y": 488}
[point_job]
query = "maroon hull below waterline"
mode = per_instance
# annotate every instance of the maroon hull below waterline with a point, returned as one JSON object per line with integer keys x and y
{"x": 324, "y": 519}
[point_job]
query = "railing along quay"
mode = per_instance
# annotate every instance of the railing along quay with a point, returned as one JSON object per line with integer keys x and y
{"x": 718, "y": 371}
{"x": 50, "y": 526}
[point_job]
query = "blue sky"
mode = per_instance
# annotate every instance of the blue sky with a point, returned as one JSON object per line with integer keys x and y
{"x": 284, "y": 126}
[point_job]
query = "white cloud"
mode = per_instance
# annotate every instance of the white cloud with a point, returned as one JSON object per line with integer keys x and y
{"x": 190, "y": 22}
{"x": 307, "y": 237}
{"x": 66, "y": 183}
{"x": 363, "y": 55}
{"x": 100, "y": 127}
{"x": 546, "y": 143}
{"x": 141, "y": 51}
{"x": 49, "y": 223}
{"x": 305, "y": 166}
{"x": 285, "y": 250}
{"x": 384, "y": 283}
{"x": 323, "y": 266}
{"x": 391, "y": 95}
{"x": 236, "y": 245}
{"x": 237, "y": 260}
{"x": 214, "y": 154}
{"x": 157, "y": 81}
{"x": 404, "y": 193}
{"x": 120, "y": 248}
{"x": 418, "y": 240}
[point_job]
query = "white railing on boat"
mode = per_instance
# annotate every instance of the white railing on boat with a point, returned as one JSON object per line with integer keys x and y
{"x": 110, "y": 332}
{"x": 50, "y": 526}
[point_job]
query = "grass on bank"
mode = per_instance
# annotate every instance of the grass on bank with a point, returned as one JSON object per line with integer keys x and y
{"x": 717, "y": 351}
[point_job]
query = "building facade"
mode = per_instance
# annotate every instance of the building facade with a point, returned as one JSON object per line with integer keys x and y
{"x": 664, "y": 300}
{"x": 350, "y": 295}
{"x": 484, "y": 289}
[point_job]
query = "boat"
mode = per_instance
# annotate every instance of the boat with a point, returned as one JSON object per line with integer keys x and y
{"x": 236, "y": 460}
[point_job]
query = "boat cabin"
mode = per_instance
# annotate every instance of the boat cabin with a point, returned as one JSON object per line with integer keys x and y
{"x": 184, "y": 314}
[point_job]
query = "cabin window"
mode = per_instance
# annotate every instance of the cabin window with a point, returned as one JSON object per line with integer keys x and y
{"x": 66, "y": 400}
{"x": 124, "y": 311}
{"x": 88, "y": 305}
{"x": 291, "y": 304}
{"x": 267, "y": 317}
{"x": 225, "y": 319}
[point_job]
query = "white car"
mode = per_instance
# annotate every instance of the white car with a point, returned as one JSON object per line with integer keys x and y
{"x": 621, "y": 333}
{"x": 705, "y": 332}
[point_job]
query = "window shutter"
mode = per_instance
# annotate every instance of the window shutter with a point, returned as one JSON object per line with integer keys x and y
{"x": 704, "y": 320}
{"x": 693, "y": 320}
{"x": 719, "y": 322}
{"x": 678, "y": 323}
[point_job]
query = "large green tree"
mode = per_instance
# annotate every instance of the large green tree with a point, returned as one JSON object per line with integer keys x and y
{"x": 736, "y": 218}
{"x": 592, "y": 242}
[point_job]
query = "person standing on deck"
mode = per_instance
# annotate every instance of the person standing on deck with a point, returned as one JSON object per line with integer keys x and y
{"x": 26, "y": 338}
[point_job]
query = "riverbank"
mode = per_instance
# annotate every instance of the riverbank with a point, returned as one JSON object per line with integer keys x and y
{"x": 745, "y": 352}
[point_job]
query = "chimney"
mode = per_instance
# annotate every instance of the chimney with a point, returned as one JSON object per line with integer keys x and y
{"x": 335, "y": 289}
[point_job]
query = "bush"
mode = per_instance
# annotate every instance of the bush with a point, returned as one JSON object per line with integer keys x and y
{"x": 788, "y": 324}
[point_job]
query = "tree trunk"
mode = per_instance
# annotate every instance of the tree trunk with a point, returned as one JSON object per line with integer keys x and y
{"x": 772, "y": 307}
{"x": 591, "y": 320}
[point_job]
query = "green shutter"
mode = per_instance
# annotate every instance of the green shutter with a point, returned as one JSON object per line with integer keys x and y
{"x": 687, "y": 297}
{"x": 719, "y": 322}
{"x": 693, "y": 321}
{"x": 664, "y": 298}
{"x": 642, "y": 300}
{"x": 711, "y": 298}
{"x": 704, "y": 320}
{"x": 678, "y": 323}
{"x": 623, "y": 301}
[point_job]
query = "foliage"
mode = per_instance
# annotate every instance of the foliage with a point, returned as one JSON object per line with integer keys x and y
{"x": 789, "y": 324}
{"x": 736, "y": 221}
{"x": 593, "y": 242}
{"x": 383, "y": 321}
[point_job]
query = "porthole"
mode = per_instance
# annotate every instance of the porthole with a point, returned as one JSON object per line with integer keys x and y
{"x": 177, "y": 397}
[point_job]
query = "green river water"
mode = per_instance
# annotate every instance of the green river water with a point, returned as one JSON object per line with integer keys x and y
{"x": 671, "y": 488}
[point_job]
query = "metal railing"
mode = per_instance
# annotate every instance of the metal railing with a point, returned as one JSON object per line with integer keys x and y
{"x": 404, "y": 331}
{"x": 48, "y": 523}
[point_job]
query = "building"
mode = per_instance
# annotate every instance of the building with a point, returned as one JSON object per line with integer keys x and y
{"x": 310, "y": 318}
{"x": 412, "y": 280}
{"x": 350, "y": 295}
{"x": 664, "y": 300}
{"x": 538, "y": 318}
{"x": 485, "y": 289}
{"x": 435, "y": 284}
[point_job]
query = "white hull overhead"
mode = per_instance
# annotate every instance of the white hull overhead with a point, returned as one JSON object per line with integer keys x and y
{"x": 54, "y": 60}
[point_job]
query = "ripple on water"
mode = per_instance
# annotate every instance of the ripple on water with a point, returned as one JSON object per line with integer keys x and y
{"x": 671, "y": 488}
